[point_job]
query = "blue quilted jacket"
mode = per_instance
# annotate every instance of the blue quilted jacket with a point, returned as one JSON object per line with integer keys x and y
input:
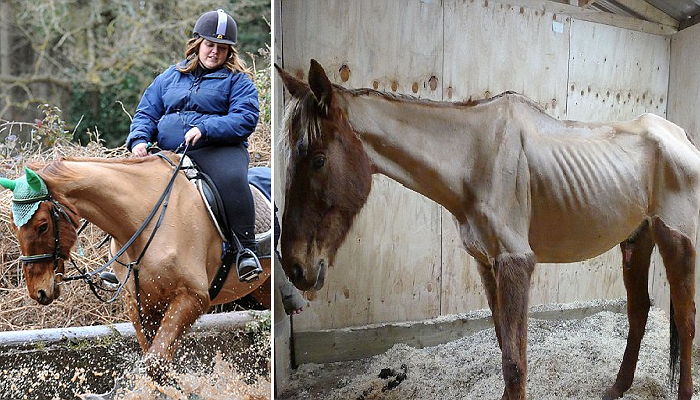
{"x": 221, "y": 103}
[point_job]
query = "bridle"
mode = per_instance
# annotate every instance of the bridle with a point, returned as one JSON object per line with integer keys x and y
{"x": 57, "y": 210}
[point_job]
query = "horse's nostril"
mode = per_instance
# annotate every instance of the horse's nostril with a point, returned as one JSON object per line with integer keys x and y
{"x": 297, "y": 272}
{"x": 41, "y": 294}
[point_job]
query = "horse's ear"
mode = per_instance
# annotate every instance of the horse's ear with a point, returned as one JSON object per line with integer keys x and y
{"x": 295, "y": 87}
{"x": 320, "y": 84}
{"x": 7, "y": 183}
{"x": 33, "y": 179}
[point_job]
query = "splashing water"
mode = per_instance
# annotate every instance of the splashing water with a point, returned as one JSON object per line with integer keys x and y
{"x": 223, "y": 382}
{"x": 207, "y": 366}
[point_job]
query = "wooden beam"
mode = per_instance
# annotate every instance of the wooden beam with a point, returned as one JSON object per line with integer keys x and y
{"x": 688, "y": 22}
{"x": 612, "y": 7}
{"x": 586, "y": 14}
{"x": 586, "y": 3}
{"x": 355, "y": 343}
{"x": 649, "y": 12}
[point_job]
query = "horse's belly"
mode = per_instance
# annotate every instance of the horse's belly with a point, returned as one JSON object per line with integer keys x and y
{"x": 586, "y": 196}
{"x": 559, "y": 233}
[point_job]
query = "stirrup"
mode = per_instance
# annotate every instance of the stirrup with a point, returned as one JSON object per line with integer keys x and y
{"x": 109, "y": 279}
{"x": 254, "y": 273}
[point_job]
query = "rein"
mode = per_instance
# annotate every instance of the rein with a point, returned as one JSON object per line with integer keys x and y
{"x": 90, "y": 277}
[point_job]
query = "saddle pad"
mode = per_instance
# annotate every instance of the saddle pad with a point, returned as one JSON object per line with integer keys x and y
{"x": 263, "y": 212}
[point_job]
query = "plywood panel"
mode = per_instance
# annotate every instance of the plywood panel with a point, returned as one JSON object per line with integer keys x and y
{"x": 389, "y": 267}
{"x": 461, "y": 285}
{"x": 616, "y": 74}
{"x": 492, "y": 47}
{"x": 385, "y": 45}
{"x": 684, "y": 98}
{"x": 684, "y": 90}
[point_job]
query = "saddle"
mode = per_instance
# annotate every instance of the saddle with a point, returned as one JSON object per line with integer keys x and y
{"x": 215, "y": 208}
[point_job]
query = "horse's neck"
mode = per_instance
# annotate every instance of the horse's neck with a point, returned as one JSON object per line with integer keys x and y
{"x": 429, "y": 149}
{"x": 111, "y": 195}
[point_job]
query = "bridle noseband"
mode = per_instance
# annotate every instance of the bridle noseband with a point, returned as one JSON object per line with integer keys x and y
{"x": 57, "y": 210}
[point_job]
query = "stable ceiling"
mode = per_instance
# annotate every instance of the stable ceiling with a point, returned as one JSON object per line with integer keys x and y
{"x": 678, "y": 14}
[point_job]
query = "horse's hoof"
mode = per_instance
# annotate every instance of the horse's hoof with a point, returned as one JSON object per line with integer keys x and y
{"x": 156, "y": 368}
{"x": 612, "y": 393}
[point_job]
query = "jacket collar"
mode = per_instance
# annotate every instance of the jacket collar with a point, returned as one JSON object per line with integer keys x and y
{"x": 222, "y": 72}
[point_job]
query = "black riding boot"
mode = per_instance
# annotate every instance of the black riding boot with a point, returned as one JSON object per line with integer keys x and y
{"x": 249, "y": 268}
{"x": 247, "y": 264}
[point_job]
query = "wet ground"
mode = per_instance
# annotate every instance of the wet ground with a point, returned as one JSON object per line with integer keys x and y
{"x": 220, "y": 365}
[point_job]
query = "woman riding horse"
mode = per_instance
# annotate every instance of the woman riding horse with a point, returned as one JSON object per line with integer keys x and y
{"x": 210, "y": 102}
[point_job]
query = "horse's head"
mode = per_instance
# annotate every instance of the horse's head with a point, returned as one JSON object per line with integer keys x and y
{"x": 329, "y": 177}
{"x": 46, "y": 231}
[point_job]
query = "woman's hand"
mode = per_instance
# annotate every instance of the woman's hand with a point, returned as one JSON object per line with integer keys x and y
{"x": 192, "y": 136}
{"x": 140, "y": 150}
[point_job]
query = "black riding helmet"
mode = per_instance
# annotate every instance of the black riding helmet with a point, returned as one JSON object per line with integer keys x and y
{"x": 216, "y": 26}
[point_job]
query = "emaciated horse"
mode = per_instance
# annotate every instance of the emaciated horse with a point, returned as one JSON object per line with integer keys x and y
{"x": 116, "y": 195}
{"x": 522, "y": 186}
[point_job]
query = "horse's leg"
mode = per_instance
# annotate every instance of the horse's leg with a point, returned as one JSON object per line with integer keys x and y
{"x": 151, "y": 320}
{"x": 636, "y": 254}
{"x": 263, "y": 294}
{"x": 141, "y": 336}
{"x": 488, "y": 279}
{"x": 678, "y": 253}
{"x": 180, "y": 314}
{"x": 513, "y": 274}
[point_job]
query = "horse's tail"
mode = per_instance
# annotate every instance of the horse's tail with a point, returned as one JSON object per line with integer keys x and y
{"x": 674, "y": 350}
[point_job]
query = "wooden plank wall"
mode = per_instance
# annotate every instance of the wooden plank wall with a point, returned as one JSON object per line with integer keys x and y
{"x": 402, "y": 259}
{"x": 389, "y": 267}
{"x": 282, "y": 329}
{"x": 683, "y": 104}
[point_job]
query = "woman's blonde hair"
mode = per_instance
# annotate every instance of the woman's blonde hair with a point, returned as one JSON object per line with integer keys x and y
{"x": 233, "y": 62}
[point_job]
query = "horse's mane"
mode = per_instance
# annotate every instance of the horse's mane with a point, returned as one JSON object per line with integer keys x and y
{"x": 58, "y": 171}
{"x": 405, "y": 98}
{"x": 303, "y": 114}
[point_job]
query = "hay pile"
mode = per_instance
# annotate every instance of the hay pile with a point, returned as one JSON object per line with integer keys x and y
{"x": 76, "y": 306}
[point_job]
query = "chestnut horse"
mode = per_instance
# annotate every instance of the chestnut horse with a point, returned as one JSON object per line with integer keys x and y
{"x": 523, "y": 187}
{"x": 175, "y": 273}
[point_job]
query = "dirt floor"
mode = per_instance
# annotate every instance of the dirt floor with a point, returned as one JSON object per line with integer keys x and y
{"x": 572, "y": 359}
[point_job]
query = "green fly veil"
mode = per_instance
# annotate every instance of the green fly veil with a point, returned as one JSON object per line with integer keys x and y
{"x": 27, "y": 192}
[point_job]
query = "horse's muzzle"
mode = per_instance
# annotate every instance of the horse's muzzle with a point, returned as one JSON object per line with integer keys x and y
{"x": 308, "y": 279}
{"x": 42, "y": 298}
{"x": 45, "y": 297}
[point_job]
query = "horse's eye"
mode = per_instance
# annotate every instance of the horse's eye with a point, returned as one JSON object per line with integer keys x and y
{"x": 318, "y": 161}
{"x": 43, "y": 227}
